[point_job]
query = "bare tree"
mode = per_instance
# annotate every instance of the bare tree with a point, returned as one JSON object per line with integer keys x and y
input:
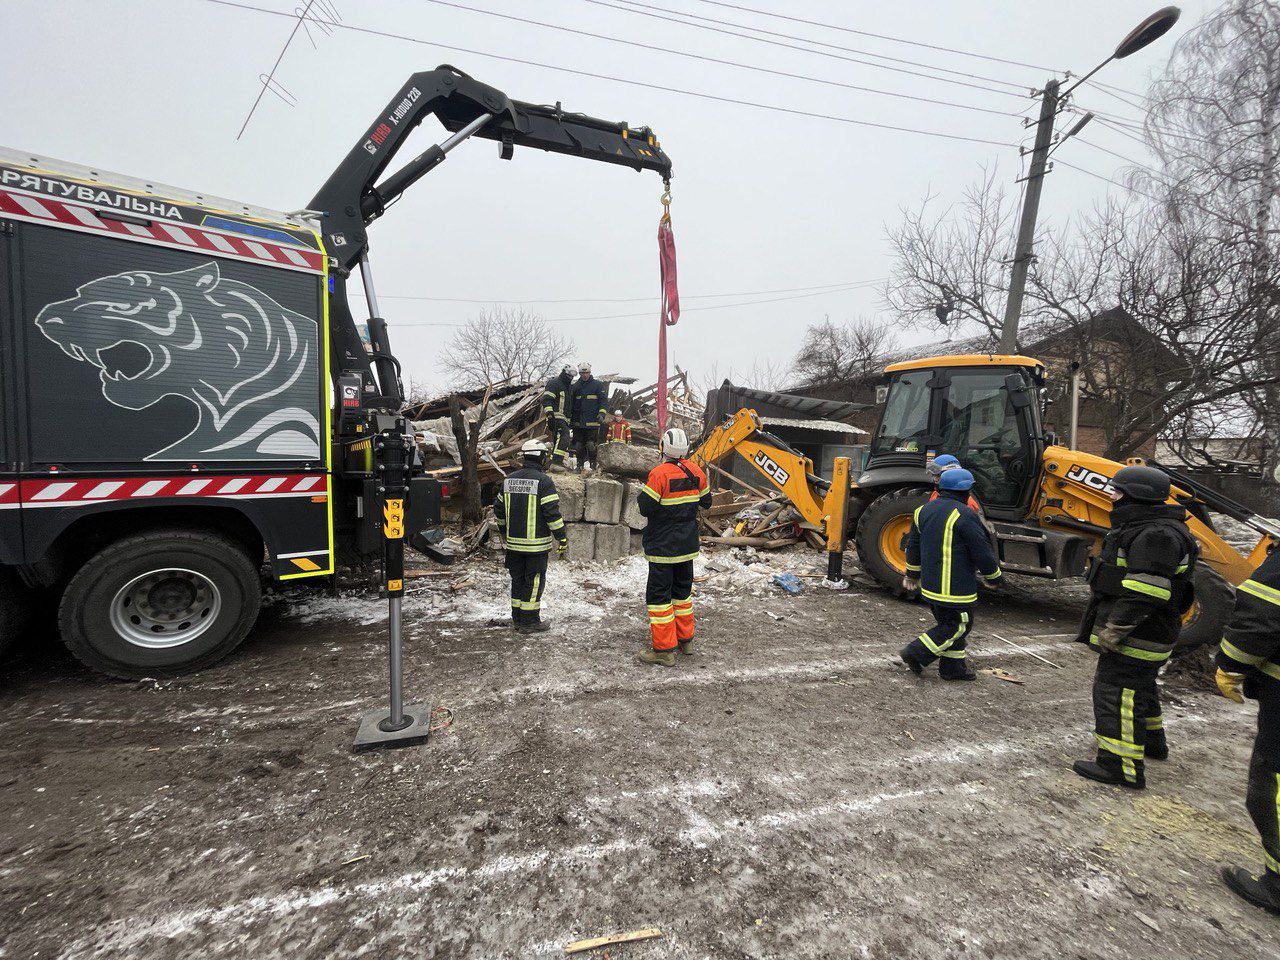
{"x": 1214, "y": 125}
{"x": 504, "y": 345}
{"x": 839, "y": 352}
{"x": 761, "y": 375}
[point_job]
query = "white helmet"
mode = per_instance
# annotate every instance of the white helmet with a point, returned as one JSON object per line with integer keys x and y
{"x": 584, "y": 367}
{"x": 533, "y": 448}
{"x": 617, "y": 413}
{"x": 675, "y": 444}
{"x": 567, "y": 368}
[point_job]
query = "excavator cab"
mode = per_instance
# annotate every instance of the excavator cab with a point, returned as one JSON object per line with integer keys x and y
{"x": 982, "y": 409}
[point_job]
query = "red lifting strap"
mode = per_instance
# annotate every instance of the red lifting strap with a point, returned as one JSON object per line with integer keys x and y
{"x": 670, "y": 302}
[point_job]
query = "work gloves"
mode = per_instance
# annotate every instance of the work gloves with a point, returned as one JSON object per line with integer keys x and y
{"x": 1109, "y": 638}
{"x": 1230, "y": 685}
{"x": 562, "y": 546}
{"x": 910, "y": 585}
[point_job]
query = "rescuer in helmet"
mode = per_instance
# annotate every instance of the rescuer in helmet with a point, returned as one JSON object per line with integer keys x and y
{"x": 528, "y": 511}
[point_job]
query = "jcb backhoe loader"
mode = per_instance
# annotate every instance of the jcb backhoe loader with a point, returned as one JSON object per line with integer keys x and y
{"x": 1046, "y": 503}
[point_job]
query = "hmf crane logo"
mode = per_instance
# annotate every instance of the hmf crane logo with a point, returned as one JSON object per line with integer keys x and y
{"x": 772, "y": 469}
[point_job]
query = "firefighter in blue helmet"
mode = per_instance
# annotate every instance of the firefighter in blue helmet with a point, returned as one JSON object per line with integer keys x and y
{"x": 948, "y": 555}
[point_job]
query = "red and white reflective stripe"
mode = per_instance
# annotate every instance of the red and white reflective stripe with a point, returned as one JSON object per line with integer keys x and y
{"x": 66, "y": 492}
{"x": 20, "y": 205}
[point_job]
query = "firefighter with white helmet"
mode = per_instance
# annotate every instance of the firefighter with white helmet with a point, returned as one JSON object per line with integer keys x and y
{"x": 528, "y": 510}
{"x": 557, "y": 406}
{"x": 670, "y": 500}
{"x": 589, "y": 399}
{"x": 619, "y": 429}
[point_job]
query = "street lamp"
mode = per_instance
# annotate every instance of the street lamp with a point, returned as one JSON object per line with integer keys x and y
{"x": 1150, "y": 29}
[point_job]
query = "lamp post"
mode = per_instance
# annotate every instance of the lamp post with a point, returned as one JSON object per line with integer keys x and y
{"x": 1150, "y": 29}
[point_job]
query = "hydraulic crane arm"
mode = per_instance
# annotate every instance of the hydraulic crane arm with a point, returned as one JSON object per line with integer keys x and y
{"x": 357, "y": 192}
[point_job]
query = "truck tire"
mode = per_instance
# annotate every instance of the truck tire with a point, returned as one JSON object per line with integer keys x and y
{"x": 882, "y": 535}
{"x": 15, "y": 609}
{"x": 160, "y": 604}
{"x": 1210, "y": 613}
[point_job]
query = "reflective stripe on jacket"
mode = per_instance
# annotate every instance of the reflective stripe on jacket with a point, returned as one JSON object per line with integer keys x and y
{"x": 619, "y": 432}
{"x": 1252, "y": 638}
{"x": 556, "y": 398}
{"x": 670, "y": 500}
{"x": 528, "y": 510}
{"x": 948, "y": 550}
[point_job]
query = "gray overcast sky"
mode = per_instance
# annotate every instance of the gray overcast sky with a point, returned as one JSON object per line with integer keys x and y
{"x": 763, "y": 200}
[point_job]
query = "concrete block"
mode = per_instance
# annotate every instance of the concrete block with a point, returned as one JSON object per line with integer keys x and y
{"x": 602, "y": 500}
{"x": 613, "y": 541}
{"x": 637, "y": 543}
{"x": 582, "y": 541}
{"x": 624, "y": 460}
{"x": 570, "y": 489}
{"x": 631, "y": 506}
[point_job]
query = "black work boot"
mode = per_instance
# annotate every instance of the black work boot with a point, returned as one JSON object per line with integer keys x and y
{"x": 1263, "y": 891}
{"x": 1105, "y": 770}
{"x": 1157, "y": 745}
{"x": 915, "y": 665}
{"x": 952, "y": 668}
{"x": 533, "y": 626}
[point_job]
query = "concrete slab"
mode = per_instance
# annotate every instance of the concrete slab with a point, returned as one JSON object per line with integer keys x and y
{"x": 570, "y": 489}
{"x": 582, "y": 541}
{"x": 631, "y": 506}
{"x": 613, "y": 541}
{"x": 602, "y": 500}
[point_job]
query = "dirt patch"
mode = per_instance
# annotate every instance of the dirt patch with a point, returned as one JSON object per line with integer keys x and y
{"x": 791, "y": 790}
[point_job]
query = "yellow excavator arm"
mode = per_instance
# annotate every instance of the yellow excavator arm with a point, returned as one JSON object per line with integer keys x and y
{"x": 823, "y": 505}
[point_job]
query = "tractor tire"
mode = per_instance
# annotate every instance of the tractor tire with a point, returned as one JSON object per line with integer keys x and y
{"x": 160, "y": 604}
{"x": 1209, "y": 614}
{"x": 881, "y": 536}
{"x": 16, "y": 609}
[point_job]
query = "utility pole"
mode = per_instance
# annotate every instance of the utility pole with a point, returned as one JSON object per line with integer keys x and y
{"x": 1030, "y": 210}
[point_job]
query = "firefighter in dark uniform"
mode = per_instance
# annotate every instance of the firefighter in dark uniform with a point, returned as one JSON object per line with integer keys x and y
{"x": 948, "y": 554}
{"x": 556, "y": 405}
{"x": 1249, "y": 666}
{"x": 589, "y": 400}
{"x": 1141, "y": 587}
{"x": 670, "y": 500}
{"x": 528, "y": 510}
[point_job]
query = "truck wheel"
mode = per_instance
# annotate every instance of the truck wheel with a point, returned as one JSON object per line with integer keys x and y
{"x": 882, "y": 535}
{"x": 1209, "y": 615}
{"x": 160, "y": 604}
{"x": 15, "y": 609}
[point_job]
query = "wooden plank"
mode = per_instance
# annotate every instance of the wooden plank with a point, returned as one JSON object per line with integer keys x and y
{"x": 579, "y": 945}
{"x": 742, "y": 483}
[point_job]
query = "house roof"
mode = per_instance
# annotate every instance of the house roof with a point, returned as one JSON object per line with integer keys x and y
{"x": 826, "y": 426}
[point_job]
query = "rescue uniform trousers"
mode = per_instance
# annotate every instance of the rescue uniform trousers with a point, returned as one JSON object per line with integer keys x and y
{"x": 1126, "y": 713}
{"x": 669, "y": 595}
{"x": 946, "y": 640}
{"x": 585, "y": 444}
{"x": 528, "y": 579}
{"x": 559, "y": 430}
{"x": 1263, "y": 798}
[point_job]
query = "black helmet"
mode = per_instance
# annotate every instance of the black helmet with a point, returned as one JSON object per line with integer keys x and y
{"x": 1144, "y": 484}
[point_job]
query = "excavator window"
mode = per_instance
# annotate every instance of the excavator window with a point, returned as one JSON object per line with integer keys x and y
{"x": 904, "y": 428}
{"x": 982, "y": 426}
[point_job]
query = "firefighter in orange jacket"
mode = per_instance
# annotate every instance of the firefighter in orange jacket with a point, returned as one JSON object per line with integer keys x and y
{"x": 670, "y": 500}
{"x": 619, "y": 429}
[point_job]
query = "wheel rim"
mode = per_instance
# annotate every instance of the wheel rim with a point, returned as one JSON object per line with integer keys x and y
{"x": 893, "y": 541}
{"x": 165, "y": 608}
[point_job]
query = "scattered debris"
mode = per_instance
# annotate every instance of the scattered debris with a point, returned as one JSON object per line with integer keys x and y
{"x": 788, "y": 582}
{"x": 580, "y": 945}
{"x": 1026, "y": 651}
{"x": 1004, "y": 675}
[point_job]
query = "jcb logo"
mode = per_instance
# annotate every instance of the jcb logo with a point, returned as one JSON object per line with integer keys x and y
{"x": 1090, "y": 478}
{"x": 771, "y": 468}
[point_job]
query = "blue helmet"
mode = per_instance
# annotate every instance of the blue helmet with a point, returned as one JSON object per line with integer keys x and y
{"x": 945, "y": 460}
{"x": 956, "y": 479}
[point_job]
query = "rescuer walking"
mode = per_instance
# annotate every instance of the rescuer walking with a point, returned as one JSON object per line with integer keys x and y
{"x": 947, "y": 553}
{"x": 528, "y": 510}
{"x": 588, "y": 402}
{"x": 1249, "y": 666}
{"x": 1141, "y": 587}
{"x": 670, "y": 500}
{"x": 557, "y": 406}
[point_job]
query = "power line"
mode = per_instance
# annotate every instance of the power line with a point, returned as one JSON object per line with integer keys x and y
{"x": 271, "y": 75}
{"x": 386, "y": 34}
{"x": 880, "y": 36}
{"x": 648, "y": 299}
{"x": 634, "y": 4}
{"x": 856, "y": 285}
{"x": 1098, "y": 176}
{"x": 722, "y": 62}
